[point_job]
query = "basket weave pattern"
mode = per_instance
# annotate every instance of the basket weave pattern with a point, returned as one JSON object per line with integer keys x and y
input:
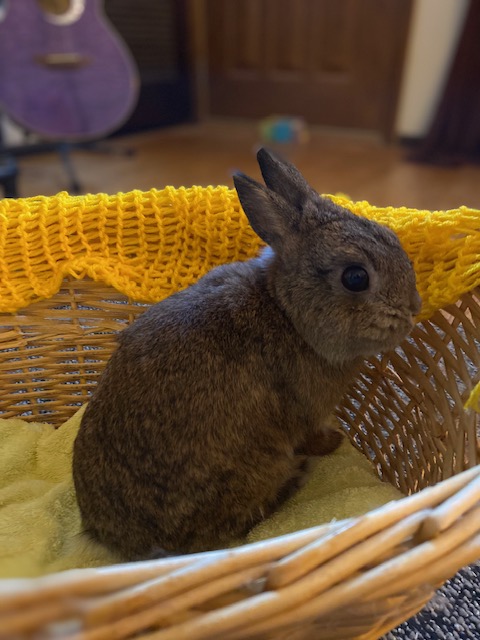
{"x": 74, "y": 271}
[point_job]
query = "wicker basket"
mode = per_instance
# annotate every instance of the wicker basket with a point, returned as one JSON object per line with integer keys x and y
{"x": 71, "y": 269}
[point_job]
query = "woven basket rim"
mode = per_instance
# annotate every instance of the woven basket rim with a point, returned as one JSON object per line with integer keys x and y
{"x": 290, "y": 566}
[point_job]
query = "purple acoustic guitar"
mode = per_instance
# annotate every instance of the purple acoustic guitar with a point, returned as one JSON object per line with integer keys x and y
{"x": 65, "y": 76}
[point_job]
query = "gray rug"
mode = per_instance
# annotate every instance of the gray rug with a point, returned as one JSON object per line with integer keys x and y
{"x": 452, "y": 614}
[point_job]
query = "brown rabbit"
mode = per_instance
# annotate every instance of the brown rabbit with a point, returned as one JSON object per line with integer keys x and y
{"x": 198, "y": 426}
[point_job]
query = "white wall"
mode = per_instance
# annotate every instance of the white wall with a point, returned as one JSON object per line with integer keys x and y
{"x": 435, "y": 30}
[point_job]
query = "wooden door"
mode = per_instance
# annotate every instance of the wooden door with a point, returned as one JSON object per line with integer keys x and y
{"x": 334, "y": 62}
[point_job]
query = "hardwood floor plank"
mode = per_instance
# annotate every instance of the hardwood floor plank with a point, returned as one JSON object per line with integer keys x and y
{"x": 354, "y": 163}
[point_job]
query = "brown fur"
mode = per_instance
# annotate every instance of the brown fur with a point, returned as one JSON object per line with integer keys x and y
{"x": 200, "y": 424}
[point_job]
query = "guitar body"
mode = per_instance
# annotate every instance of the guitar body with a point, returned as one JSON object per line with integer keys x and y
{"x": 65, "y": 77}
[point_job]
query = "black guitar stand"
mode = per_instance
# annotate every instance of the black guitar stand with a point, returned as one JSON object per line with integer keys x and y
{"x": 65, "y": 148}
{"x": 8, "y": 176}
{"x": 8, "y": 170}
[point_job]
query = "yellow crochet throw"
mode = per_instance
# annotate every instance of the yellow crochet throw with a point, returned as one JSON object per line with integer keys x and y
{"x": 149, "y": 244}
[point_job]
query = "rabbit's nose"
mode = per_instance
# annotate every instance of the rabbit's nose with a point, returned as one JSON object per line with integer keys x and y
{"x": 415, "y": 304}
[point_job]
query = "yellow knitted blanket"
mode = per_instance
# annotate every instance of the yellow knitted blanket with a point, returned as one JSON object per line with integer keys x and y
{"x": 149, "y": 244}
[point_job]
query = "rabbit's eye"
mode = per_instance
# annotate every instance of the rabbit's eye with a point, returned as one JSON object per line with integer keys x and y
{"x": 355, "y": 279}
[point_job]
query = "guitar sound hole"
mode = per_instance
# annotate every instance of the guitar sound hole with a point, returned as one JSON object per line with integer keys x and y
{"x": 62, "y": 12}
{"x": 55, "y": 7}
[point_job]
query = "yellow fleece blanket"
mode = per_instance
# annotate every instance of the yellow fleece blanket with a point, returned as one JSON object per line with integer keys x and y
{"x": 40, "y": 528}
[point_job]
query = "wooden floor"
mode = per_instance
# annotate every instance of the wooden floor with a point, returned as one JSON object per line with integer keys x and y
{"x": 352, "y": 163}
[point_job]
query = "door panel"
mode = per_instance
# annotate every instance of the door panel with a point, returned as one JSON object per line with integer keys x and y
{"x": 334, "y": 62}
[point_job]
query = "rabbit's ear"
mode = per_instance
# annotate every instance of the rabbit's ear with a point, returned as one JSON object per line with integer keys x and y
{"x": 284, "y": 179}
{"x": 270, "y": 216}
